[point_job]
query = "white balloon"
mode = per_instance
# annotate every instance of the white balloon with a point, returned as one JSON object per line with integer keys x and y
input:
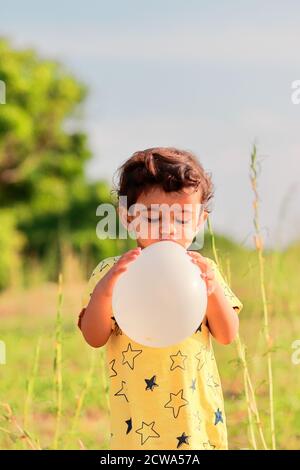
{"x": 161, "y": 299}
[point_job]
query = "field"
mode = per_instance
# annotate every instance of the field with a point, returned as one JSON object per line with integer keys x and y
{"x": 54, "y": 388}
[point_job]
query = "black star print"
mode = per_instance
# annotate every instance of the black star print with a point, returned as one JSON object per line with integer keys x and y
{"x": 178, "y": 360}
{"x": 103, "y": 265}
{"x": 183, "y": 439}
{"x": 193, "y": 386}
{"x": 199, "y": 328}
{"x": 151, "y": 383}
{"x": 146, "y": 431}
{"x": 176, "y": 402}
{"x": 129, "y": 425}
{"x": 123, "y": 390}
{"x": 113, "y": 371}
{"x": 130, "y": 355}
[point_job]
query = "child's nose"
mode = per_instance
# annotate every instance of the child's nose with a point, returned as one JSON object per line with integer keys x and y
{"x": 168, "y": 231}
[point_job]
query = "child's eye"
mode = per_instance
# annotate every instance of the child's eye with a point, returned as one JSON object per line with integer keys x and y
{"x": 183, "y": 221}
{"x": 156, "y": 219}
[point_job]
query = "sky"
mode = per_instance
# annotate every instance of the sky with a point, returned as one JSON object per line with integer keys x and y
{"x": 210, "y": 77}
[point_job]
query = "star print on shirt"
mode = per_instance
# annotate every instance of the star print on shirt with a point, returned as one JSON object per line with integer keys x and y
{"x": 124, "y": 390}
{"x": 151, "y": 383}
{"x": 218, "y": 417}
{"x": 178, "y": 360}
{"x": 183, "y": 439}
{"x": 199, "y": 328}
{"x": 129, "y": 425}
{"x": 200, "y": 358}
{"x": 228, "y": 292}
{"x": 113, "y": 372}
{"x": 205, "y": 354}
{"x": 208, "y": 445}
{"x": 130, "y": 355}
{"x": 210, "y": 382}
{"x": 176, "y": 402}
{"x": 146, "y": 432}
{"x": 193, "y": 386}
{"x": 209, "y": 354}
{"x": 103, "y": 265}
{"x": 197, "y": 415}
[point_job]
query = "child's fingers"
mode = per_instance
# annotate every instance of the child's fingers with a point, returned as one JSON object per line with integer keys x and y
{"x": 204, "y": 267}
{"x": 206, "y": 273}
{"x": 201, "y": 260}
{"x": 197, "y": 255}
{"x": 128, "y": 257}
{"x": 133, "y": 251}
{"x": 130, "y": 253}
{"x": 209, "y": 275}
{"x": 123, "y": 266}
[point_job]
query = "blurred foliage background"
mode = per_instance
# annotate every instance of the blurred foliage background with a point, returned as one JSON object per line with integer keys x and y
{"x": 48, "y": 226}
{"x": 46, "y": 200}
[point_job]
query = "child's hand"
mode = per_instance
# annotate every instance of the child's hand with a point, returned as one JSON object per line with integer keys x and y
{"x": 108, "y": 281}
{"x": 207, "y": 274}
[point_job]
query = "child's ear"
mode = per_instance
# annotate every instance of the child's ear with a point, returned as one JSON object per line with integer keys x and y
{"x": 125, "y": 221}
{"x": 202, "y": 219}
{"x": 205, "y": 216}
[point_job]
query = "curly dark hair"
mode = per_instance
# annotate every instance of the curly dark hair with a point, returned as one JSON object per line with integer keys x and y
{"x": 169, "y": 168}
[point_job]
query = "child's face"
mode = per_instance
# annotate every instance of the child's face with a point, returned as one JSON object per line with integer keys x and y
{"x": 177, "y": 216}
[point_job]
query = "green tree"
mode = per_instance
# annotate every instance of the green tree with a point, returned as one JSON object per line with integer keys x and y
{"x": 42, "y": 162}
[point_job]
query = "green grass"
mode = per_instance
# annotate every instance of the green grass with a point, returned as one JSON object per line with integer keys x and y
{"x": 54, "y": 387}
{"x": 84, "y": 401}
{"x": 21, "y": 335}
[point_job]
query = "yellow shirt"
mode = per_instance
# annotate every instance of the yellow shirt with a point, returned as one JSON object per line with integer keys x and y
{"x": 164, "y": 398}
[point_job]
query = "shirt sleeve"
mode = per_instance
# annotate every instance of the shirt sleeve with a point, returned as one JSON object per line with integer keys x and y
{"x": 233, "y": 299}
{"x": 101, "y": 269}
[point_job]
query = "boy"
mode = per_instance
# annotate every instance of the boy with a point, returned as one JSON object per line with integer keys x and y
{"x": 163, "y": 398}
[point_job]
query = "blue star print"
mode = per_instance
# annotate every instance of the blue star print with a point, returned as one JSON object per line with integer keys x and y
{"x": 218, "y": 416}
